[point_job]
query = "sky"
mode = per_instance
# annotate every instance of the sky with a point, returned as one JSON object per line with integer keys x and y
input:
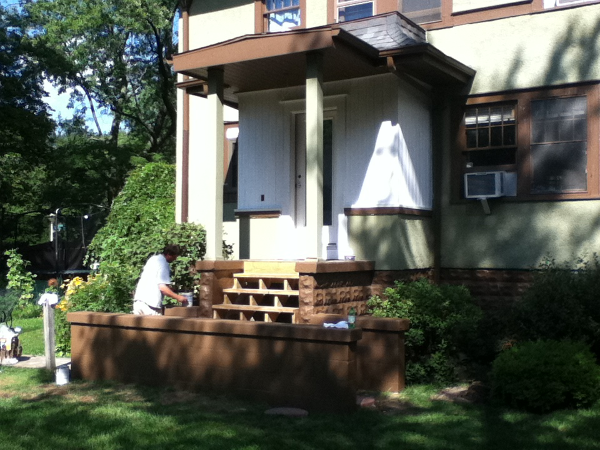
{"x": 59, "y": 102}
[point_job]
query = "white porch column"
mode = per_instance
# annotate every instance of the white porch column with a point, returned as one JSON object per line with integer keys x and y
{"x": 314, "y": 154}
{"x": 214, "y": 158}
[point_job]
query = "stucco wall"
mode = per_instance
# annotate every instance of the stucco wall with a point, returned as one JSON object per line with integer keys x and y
{"x": 394, "y": 242}
{"x": 213, "y": 21}
{"x": 549, "y": 48}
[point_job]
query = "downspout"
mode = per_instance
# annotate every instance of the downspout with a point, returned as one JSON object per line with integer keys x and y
{"x": 437, "y": 129}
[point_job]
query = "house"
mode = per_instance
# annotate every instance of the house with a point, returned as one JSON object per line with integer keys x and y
{"x": 457, "y": 138}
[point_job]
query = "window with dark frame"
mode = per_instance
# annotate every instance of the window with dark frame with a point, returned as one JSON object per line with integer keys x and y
{"x": 422, "y": 11}
{"x": 559, "y": 145}
{"x": 541, "y": 136}
{"x": 354, "y": 9}
{"x": 282, "y": 15}
{"x": 491, "y": 136}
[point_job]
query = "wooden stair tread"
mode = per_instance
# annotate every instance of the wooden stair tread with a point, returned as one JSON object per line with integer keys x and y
{"x": 260, "y": 291}
{"x": 273, "y": 276}
{"x": 279, "y": 309}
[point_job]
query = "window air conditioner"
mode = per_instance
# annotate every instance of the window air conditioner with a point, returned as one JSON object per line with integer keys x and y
{"x": 482, "y": 185}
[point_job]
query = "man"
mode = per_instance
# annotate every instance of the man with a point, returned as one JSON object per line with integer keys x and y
{"x": 154, "y": 283}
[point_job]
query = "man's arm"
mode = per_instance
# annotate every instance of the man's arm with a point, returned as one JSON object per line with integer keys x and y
{"x": 166, "y": 290}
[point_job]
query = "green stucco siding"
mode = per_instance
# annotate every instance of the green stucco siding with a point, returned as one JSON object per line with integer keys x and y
{"x": 549, "y": 48}
{"x": 394, "y": 242}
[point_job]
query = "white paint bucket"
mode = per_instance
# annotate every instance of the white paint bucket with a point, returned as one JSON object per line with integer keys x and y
{"x": 62, "y": 375}
{"x": 190, "y": 298}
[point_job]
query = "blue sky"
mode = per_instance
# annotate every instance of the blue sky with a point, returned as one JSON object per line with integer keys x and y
{"x": 59, "y": 102}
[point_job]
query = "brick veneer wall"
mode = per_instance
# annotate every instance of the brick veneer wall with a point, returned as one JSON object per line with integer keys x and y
{"x": 305, "y": 366}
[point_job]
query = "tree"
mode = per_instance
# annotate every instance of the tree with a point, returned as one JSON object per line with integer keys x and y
{"x": 25, "y": 124}
{"x": 114, "y": 53}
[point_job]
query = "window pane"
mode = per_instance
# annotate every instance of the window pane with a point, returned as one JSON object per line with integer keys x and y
{"x": 471, "y": 138}
{"x": 422, "y": 11}
{"x": 284, "y": 21}
{"x": 495, "y": 157}
{"x": 510, "y": 135}
{"x": 483, "y": 137}
{"x": 559, "y": 167}
{"x": 355, "y": 12}
{"x": 496, "y": 137}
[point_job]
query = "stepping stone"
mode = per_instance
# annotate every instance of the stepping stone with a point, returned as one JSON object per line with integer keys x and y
{"x": 290, "y": 412}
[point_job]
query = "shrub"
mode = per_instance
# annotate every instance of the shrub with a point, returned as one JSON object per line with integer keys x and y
{"x": 442, "y": 318}
{"x": 140, "y": 224}
{"x": 562, "y": 303}
{"x": 546, "y": 375}
{"x": 21, "y": 283}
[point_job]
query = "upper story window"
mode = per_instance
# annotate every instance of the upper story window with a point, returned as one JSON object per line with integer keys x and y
{"x": 282, "y": 15}
{"x": 422, "y": 11}
{"x": 354, "y": 9}
{"x": 554, "y": 3}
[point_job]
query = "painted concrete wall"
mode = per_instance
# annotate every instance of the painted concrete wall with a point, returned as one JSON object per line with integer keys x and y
{"x": 549, "y": 48}
{"x": 213, "y": 21}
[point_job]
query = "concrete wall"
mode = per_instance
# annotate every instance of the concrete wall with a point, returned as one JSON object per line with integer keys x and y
{"x": 305, "y": 366}
{"x": 549, "y": 48}
{"x": 213, "y": 21}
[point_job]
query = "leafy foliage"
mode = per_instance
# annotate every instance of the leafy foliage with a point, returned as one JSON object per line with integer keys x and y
{"x": 22, "y": 282}
{"x": 561, "y": 304}
{"x": 442, "y": 320}
{"x": 140, "y": 224}
{"x": 547, "y": 375}
{"x": 113, "y": 53}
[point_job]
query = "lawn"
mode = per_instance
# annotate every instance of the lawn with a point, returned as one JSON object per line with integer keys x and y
{"x": 32, "y": 336}
{"x": 83, "y": 415}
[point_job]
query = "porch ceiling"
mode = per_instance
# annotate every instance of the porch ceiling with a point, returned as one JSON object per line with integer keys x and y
{"x": 278, "y": 60}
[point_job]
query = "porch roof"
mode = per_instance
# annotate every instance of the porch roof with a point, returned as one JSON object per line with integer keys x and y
{"x": 371, "y": 46}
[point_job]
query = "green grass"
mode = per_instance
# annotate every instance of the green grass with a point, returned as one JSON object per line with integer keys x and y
{"x": 84, "y": 415}
{"x": 32, "y": 336}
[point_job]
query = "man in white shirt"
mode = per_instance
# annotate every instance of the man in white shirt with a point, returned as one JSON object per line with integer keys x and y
{"x": 154, "y": 283}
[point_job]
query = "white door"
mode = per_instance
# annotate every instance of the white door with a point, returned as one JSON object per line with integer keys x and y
{"x": 329, "y": 210}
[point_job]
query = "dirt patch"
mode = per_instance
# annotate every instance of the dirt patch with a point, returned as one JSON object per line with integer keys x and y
{"x": 476, "y": 392}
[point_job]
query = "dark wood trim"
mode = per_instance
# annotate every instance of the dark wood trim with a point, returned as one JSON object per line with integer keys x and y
{"x": 319, "y": 266}
{"x": 258, "y": 213}
{"x": 387, "y": 211}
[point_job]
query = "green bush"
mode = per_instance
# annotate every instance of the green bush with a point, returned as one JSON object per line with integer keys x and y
{"x": 21, "y": 283}
{"x": 546, "y": 375}
{"x": 562, "y": 303}
{"x": 443, "y": 319}
{"x": 141, "y": 222}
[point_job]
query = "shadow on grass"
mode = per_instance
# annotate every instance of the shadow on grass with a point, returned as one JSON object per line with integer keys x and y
{"x": 116, "y": 416}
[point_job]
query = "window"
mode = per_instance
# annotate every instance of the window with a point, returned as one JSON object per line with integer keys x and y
{"x": 554, "y": 3}
{"x": 548, "y": 139}
{"x": 422, "y": 11}
{"x": 282, "y": 15}
{"x": 559, "y": 145}
{"x": 491, "y": 134}
{"x": 353, "y": 9}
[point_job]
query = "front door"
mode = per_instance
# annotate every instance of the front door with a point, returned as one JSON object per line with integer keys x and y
{"x": 329, "y": 218}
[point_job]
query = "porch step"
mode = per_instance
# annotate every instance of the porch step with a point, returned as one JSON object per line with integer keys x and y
{"x": 248, "y": 312}
{"x": 267, "y": 292}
